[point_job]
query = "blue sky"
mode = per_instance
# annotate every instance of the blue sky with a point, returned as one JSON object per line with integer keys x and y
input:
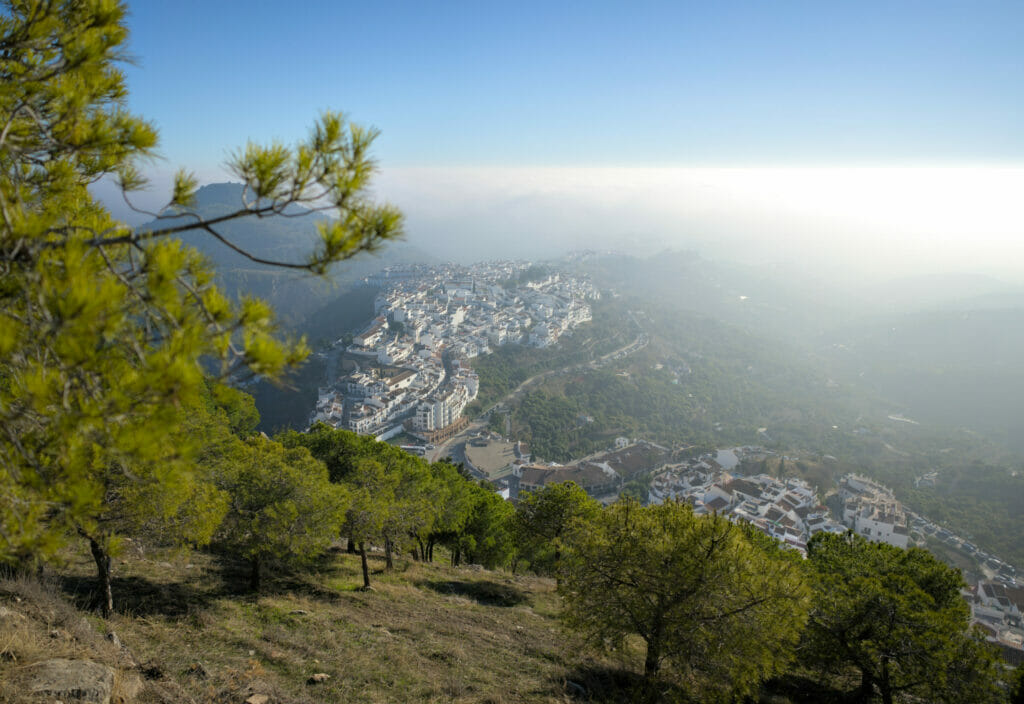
{"x": 849, "y": 138}
{"x": 591, "y": 83}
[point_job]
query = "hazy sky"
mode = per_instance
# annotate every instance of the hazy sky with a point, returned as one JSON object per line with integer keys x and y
{"x": 835, "y": 132}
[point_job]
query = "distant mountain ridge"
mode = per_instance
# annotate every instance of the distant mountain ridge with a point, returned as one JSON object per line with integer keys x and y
{"x": 294, "y": 295}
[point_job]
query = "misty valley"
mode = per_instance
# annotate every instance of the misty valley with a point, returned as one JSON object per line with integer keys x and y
{"x": 654, "y": 353}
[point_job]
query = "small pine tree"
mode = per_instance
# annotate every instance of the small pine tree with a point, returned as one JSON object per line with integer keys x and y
{"x": 283, "y": 511}
{"x": 718, "y": 607}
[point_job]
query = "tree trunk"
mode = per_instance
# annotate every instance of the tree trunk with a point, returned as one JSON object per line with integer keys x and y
{"x": 388, "y": 561}
{"x": 652, "y": 663}
{"x": 867, "y": 687}
{"x": 102, "y": 559}
{"x": 558, "y": 568}
{"x": 885, "y": 686}
{"x": 423, "y": 550}
{"x": 351, "y": 549}
{"x": 430, "y": 550}
{"x": 456, "y": 555}
{"x": 254, "y": 574}
{"x": 366, "y": 568}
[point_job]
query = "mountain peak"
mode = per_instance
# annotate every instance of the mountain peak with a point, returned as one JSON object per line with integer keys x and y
{"x": 228, "y": 193}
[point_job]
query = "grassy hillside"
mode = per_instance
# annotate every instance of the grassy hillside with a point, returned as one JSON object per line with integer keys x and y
{"x": 189, "y": 632}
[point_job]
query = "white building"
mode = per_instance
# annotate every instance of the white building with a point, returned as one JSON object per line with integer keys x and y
{"x": 441, "y": 410}
{"x": 871, "y": 510}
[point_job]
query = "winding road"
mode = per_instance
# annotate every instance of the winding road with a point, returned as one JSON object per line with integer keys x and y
{"x": 480, "y": 421}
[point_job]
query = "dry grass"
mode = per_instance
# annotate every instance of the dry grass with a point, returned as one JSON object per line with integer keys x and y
{"x": 426, "y": 633}
{"x": 38, "y": 623}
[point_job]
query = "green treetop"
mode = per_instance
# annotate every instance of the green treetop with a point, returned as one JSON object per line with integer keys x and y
{"x": 283, "y": 510}
{"x": 372, "y": 489}
{"x": 487, "y": 536}
{"x": 543, "y": 519}
{"x": 718, "y": 611}
{"x": 896, "y": 618}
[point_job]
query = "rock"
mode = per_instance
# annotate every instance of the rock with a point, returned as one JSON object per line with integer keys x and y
{"x": 70, "y": 680}
{"x": 112, "y": 637}
{"x": 258, "y": 699}
{"x": 318, "y": 678}
{"x": 299, "y": 612}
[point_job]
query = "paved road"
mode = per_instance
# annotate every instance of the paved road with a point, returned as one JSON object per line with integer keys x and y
{"x": 480, "y": 421}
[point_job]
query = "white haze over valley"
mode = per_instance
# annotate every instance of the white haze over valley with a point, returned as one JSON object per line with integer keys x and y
{"x": 849, "y": 224}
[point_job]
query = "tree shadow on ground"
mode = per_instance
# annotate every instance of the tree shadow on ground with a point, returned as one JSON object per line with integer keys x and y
{"x": 308, "y": 580}
{"x": 612, "y": 685}
{"x": 484, "y": 592}
{"x": 225, "y": 576}
{"x": 802, "y": 689}
{"x": 139, "y": 596}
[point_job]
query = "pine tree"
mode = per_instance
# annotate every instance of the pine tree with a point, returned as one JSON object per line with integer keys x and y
{"x": 896, "y": 618}
{"x": 102, "y": 327}
{"x": 282, "y": 510}
{"x": 543, "y": 519}
{"x": 718, "y": 608}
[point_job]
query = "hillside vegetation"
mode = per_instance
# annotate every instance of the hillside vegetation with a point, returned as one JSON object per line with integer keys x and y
{"x": 188, "y": 633}
{"x": 704, "y": 382}
{"x": 123, "y": 440}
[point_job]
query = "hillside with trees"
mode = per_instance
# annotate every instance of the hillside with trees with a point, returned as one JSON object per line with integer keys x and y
{"x": 155, "y": 546}
{"x": 703, "y": 382}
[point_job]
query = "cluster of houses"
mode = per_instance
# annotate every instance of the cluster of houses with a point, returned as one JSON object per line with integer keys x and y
{"x": 870, "y": 509}
{"x": 924, "y": 529}
{"x": 470, "y": 310}
{"x": 786, "y": 509}
{"x": 997, "y": 610}
{"x": 405, "y": 369}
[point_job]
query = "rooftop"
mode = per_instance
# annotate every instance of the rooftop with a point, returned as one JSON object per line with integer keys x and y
{"x": 492, "y": 457}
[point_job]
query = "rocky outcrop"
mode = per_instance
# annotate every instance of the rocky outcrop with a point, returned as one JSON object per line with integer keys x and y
{"x": 68, "y": 681}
